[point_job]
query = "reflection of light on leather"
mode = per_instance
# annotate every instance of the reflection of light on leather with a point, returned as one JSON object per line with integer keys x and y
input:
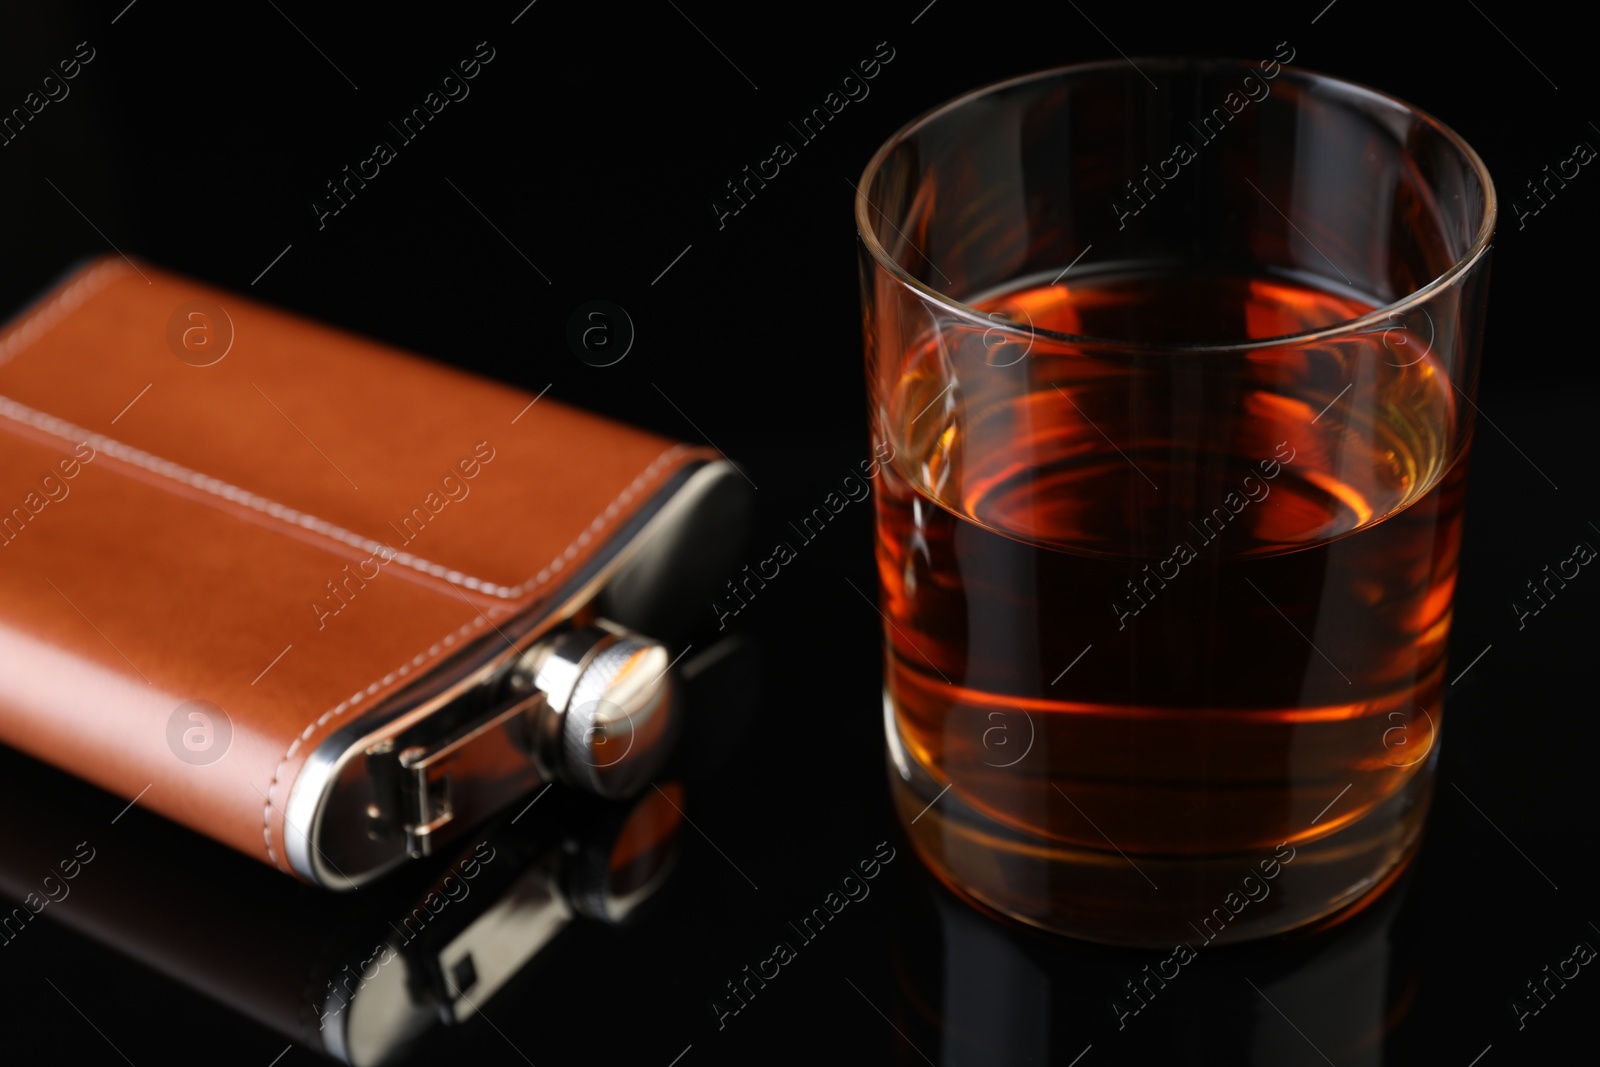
{"x": 35, "y": 700}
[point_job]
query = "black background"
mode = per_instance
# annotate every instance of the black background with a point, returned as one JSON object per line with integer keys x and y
{"x": 198, "y": 138}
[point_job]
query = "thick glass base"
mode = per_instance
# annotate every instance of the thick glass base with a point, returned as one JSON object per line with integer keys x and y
{"x": 1155, "y": 901}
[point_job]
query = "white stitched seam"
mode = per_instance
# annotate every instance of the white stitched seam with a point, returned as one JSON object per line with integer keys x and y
{"x": 611, "y": 511}
{"x": 305, "y": 735}
{"x": 216, "y": 487}
{"x": 34, "y": 326}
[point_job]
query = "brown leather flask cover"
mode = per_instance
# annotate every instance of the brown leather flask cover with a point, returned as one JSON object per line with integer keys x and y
{"x": 227, "y": 533}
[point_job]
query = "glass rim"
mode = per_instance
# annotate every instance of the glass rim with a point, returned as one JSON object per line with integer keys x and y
{"x": 1482, "y": 240}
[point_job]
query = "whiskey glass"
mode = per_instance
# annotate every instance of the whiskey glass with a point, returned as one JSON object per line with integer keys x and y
{"x": 1175, "y": 359}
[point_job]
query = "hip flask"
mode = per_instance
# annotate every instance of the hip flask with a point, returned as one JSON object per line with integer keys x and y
{"x": 321, "y": 600}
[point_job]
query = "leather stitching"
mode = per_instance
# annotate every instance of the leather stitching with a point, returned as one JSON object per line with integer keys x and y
{"x": 67, "y": 431}
{"x": 39, "y": 321}
{"x": 305, "y": 735}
